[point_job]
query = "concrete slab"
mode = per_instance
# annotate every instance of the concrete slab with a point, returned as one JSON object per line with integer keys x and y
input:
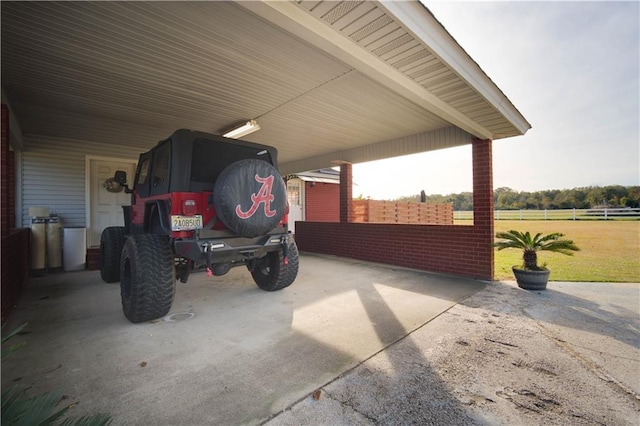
{"x": 598, "y": 322}
{"x": 228, "y": 353}
{"x": 567, "y": 355}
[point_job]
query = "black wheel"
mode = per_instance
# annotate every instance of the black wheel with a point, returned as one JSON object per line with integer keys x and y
{"x": 111, "y": 242}
{"x": 250, "y": 197}
{"x": 147, "y": 277}
{"x": 271, "y": 273}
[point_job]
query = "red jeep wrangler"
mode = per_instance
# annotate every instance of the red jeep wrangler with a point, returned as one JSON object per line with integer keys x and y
{"x": 198, "y": 201}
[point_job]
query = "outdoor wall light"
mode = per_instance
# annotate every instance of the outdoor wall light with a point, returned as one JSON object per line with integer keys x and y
{"x": 243, "y": 130}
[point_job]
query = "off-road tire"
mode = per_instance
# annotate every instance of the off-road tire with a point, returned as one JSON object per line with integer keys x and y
{"x": 272, "y": 274}
{"x": 147, "y": 277}
{"x": 111, "y": 242}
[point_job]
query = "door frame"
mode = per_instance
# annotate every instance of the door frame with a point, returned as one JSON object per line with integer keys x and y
{"x": 303, "y": 204}
{"x": 87, "y": 183}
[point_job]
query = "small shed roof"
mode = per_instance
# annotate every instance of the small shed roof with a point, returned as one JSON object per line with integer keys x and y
{"x": 321, "y": 176}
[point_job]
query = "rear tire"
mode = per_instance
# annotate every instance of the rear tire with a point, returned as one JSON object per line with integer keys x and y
{"x": 111, "y": 242}
{"x": 147, "y": 277}
{"x": 272, "y": 274}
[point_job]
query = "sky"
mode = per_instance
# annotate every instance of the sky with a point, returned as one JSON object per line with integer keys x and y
{"x": 572, "y": 70}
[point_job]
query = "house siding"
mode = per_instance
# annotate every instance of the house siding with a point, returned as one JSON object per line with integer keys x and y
{"x": 53, "y": 175}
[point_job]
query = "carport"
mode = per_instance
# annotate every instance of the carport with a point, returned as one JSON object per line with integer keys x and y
{"x": 87, "y": 85}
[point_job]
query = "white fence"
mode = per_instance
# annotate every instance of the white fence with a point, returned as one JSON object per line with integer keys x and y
{"x": 568, "y": 214}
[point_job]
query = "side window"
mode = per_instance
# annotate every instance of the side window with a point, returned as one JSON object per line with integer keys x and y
{"x": 160, "y": 172}
{"x": 142, "y": 175}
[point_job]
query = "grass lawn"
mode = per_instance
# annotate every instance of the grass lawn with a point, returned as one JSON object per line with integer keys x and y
{"x": 610, "y": 250}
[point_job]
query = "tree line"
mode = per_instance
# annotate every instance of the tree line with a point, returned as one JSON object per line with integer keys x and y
{"x": 504, "y": 198}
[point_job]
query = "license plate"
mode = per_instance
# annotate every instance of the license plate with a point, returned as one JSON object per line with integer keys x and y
{"x": 186, "y": 223}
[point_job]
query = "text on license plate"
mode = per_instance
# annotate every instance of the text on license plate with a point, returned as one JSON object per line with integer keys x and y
{"x": 186, "y": 223}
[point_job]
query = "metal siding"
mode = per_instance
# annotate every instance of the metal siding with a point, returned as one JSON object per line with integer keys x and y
{"x": 130, "y": 73}
{"x": 427, "y": 141}
{"x": 176, "y": 65}
{"x": 53, "y": 175}
{"x": 388, "y": 39}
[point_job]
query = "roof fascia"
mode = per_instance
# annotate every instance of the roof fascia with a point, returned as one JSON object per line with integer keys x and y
{"x": 292, "y": 18}
{"x": 420, "y": 22}
{"x": 447, "y": 137}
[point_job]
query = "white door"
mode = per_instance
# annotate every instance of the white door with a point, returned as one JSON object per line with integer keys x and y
{"x": 106, "y": 204}
{"x": 295, "y": 195}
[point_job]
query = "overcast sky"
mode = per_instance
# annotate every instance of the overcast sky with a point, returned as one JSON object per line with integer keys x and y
{"x": 571, "y": 68}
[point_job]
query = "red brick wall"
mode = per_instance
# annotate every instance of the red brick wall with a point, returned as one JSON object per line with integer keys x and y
{"x": 322, "y": 202}
{"x": 438, "y": 248}
{"x": 460, "y": 250}
{"x": 346, "y": 196}
{"x": 15, "y": 242}
{"x": 483, "y": 202}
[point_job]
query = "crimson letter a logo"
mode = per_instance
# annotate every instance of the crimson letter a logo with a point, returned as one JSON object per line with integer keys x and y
{"x": 263, "y": 195}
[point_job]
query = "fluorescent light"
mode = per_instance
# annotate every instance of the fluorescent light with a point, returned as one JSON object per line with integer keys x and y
{"x": 249, "y": 127}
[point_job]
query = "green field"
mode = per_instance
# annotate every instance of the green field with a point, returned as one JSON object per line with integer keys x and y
{"x": 610, "y": 250}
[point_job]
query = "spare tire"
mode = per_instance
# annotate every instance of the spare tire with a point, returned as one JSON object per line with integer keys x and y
{"x": 250, "y": 197}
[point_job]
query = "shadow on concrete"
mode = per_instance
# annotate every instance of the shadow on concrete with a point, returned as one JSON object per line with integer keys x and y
{"x": 607, "y": 309}
{"x": 228, "y": 353}
{"x": 597, "y": 323}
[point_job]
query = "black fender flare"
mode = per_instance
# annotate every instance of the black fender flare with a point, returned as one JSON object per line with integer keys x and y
{"x": 156, "y": 217}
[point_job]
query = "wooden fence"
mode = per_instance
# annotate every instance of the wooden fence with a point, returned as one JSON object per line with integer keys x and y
{"x": 392, "y": 212}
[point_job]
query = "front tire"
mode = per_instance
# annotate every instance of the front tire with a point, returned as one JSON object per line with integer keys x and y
{"x": 272, "y": 274}
{"x": 147, "y": 277}
{"x": 111, "y": 242}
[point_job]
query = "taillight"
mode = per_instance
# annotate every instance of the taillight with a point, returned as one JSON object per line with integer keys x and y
{"x": 189, "y": 207}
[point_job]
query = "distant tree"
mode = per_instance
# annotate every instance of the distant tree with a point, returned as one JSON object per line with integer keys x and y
{"x": 505, "y": 198}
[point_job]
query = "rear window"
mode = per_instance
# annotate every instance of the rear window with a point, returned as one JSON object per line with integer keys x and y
{"x": 210, "y": 158}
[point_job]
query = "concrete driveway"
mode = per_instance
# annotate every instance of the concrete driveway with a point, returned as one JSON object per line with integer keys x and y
{"x": 228, "y": 353}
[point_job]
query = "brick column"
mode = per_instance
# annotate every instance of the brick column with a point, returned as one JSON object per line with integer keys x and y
{"x": 483, "y": 203}
{"x": 346, "y": 193}
{"x": 4, "y": 174}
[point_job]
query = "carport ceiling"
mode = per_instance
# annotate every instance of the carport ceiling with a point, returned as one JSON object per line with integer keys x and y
{"x": 322, "y": 78}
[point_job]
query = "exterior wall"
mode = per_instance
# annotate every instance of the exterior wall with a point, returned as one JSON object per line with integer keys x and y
{"x": 53, "y": 175}
{"x": 453, "y": 249}
{"x": 322, "y": 202}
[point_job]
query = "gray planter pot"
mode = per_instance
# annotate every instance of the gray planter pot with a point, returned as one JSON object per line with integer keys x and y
{"x": 531, "y": 280}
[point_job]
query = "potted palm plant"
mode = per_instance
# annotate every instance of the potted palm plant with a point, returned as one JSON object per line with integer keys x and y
{"x": 530, "y": 276}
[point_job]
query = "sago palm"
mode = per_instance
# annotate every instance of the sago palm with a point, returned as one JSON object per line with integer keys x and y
{"x": 531, "y": 245}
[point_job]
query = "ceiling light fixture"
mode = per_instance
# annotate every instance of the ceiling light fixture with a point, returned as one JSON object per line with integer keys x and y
{"x": 243, "y": 130}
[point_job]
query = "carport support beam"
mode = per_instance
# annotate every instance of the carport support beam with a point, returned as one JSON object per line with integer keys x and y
{"x": 346, "y": 192}
{"x": 483, "y": 204}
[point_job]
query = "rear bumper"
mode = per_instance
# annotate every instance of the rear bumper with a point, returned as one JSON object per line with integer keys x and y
{"x": 229, "y": 250}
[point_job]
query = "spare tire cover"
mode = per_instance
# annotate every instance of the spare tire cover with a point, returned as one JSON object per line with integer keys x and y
{"x": 250, "y": 197}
